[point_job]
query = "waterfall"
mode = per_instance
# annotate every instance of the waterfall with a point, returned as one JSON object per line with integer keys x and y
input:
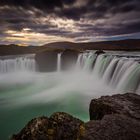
{"x": 78, "y": 63}
{"x": 121, "y": 72}
{"x": 89, "y": 62}
{"x": 17, "y": 63}
{"x": 59, "y": 62}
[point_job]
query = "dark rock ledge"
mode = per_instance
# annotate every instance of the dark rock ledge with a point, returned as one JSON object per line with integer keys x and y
{"x": 114, "y": 117}
{"x": 125, "y": 104}
{"x": 60, "y": 126}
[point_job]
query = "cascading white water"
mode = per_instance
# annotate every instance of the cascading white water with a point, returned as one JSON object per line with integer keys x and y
{"x": 17, "y": 63}
{"x": 59, "y": 62}
{"x": 89, "y": 61}
{"x": 121, "y": 72}
{"x": 117, "y": 70}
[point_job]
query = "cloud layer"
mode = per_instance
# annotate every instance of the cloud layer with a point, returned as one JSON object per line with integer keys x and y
{"x": 37, "y": 22}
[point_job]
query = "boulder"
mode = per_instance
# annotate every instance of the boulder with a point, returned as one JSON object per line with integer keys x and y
{"x": 68, "y": 59}
{"x": 126, "y": 104}
{"x": 36, "y": 129}
{"x": 65, "y": 126}
{"x": 113, "y": 127}
{"x": 60, "y": 126}
{"x": 46, "y": 61}
{"x": 99, "y": 52}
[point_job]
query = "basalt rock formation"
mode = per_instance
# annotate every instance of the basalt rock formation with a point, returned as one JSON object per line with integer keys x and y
{"x": 99, "y": 52}
{"x": 114, "y": 117}
{"x": 60, "y": 126}
{"x": 126, "y": 104}
{"x": 68, "y": 59}
{"x": 46, "y": 61}
{"x": 113, "y": 127}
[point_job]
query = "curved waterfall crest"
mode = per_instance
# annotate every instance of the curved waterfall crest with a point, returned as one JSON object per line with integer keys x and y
{"x": 120, "y": 71}
{"x": 117, "y": 70}
{"x": 17, "y": 63}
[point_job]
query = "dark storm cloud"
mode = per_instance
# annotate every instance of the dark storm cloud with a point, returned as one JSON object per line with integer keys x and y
{"x": 36, "y": 3}
{"x": 79, "y": 17}
{"x": 100, "y": 7}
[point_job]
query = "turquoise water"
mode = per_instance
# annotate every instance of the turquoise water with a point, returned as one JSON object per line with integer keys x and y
{"x": 26, "y": 95}
{"x": 13, "y": 119}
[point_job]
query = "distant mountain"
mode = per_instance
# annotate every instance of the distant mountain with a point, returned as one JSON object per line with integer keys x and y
{"x": 13, "y": 49}
{"x": 125, "y": 45}
{"x": 128, "y": 45}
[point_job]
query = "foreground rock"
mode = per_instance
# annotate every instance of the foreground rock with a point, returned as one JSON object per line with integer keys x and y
{"x": 60, "y": 126}
{"x": 113, "y": 127}
{"x": 126, "y": 104}
{"x": 114, "y": 117}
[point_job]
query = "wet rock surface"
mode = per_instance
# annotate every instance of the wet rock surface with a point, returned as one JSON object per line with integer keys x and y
{"x": 46, "y": 61}
{"x": 69, "y": 59}
{"x": 114, "y": 117}
{"x": 126, "y": 104}
{"x": 99, "y": 52}
{"x": 60, "y": 126}
{"x": 35, "y": 129}
{"x": 113, "y": 127}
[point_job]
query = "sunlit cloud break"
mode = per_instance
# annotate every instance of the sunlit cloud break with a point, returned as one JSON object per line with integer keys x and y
{"x": 37, "y": 23}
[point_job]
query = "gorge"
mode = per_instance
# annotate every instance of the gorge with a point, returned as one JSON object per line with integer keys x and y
{"x": 28, "y": 91}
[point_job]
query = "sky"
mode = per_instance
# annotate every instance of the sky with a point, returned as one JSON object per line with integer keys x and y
{"x": 37, "y": 22}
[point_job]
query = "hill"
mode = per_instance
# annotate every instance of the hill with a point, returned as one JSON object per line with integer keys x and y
{"x": 126, "y": 45}
{"x": 121, "y": 45}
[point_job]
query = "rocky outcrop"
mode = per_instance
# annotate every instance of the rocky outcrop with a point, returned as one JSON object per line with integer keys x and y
{"x": 114, "y": 117}
{"x": 126, "y": 104}
{"x": 46, "y": 61}
{"x": 113, "y": 127}
{"x": 36, "y": 129}
{"x": 60, "y": 126}
{"x": 68, "y": 59}
{"x": 99, "y": 52}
